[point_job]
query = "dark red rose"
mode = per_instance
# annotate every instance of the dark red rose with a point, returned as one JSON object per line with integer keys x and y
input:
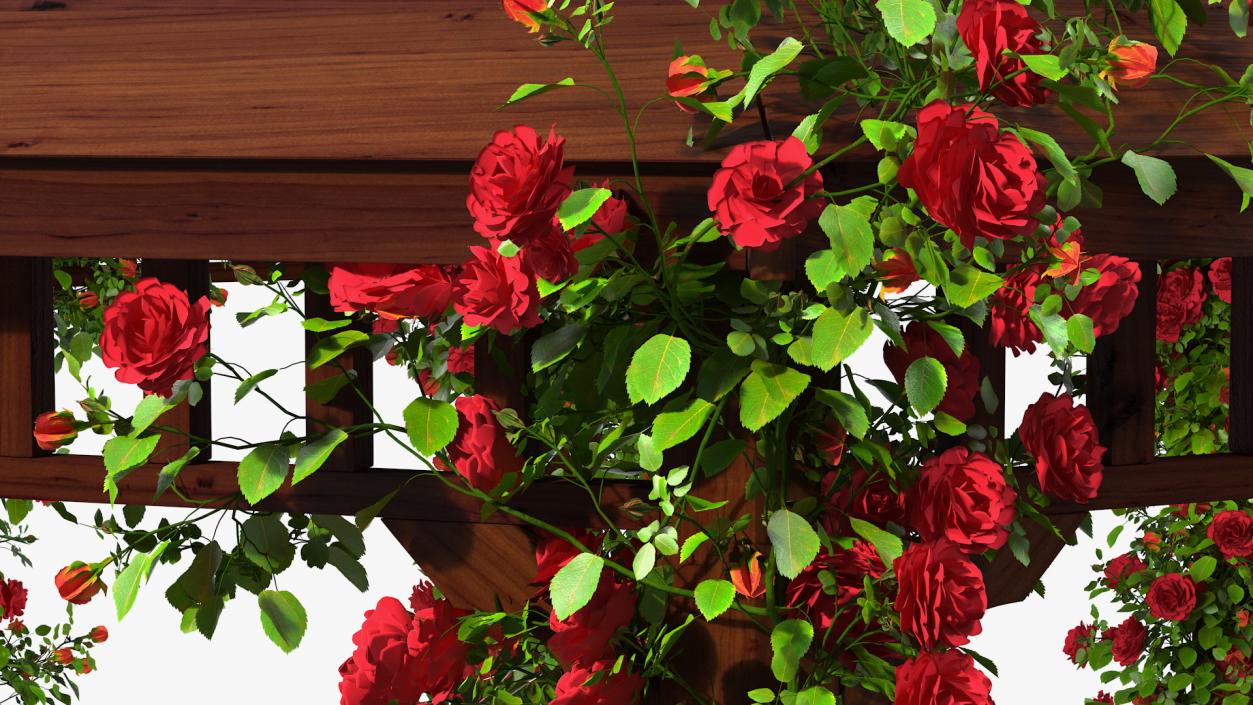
{"x": 437, "y": 655}
{"x": 78, "y": 582}
{"x": 393, "y": 291}
{"x": 517, "y": 184}
{"x": 970, "y": 176}
{"x": 551, "y": 257}
{"x": 1220, "y": 278}
{"x": 1121, "y": 568}
{"x": 1103, "y": 697}
{"x": 751, "y": 199}
{"x": 54, "y": 429}
{"x": 1232, "y": 532}
{"x": 1062, "y": 438}
{"x": 461, "y": 360}
{"x": 944, "y": 678}
{"x": 1128, "y": 639}
{"x": 921, "y": 340}
{"x": 940, "y": 594}
{"x": 587, "y": 635}
{"x": 868, "y": 499}
{"x": 1111, "y": 297}
{"x": 520, "y": 11}
{"x": 1077, "y": 639}
{"x": 1171, "y": 596}
{"x": 596, "y": 684}
{"x": 992, "y": 27}
{"x": 12, "y": 598}
{"x": 99, "y": 634}
{"x": 381, "y": 669}
{"x": 153, "y": 336}
{"x": 1009, "y": 313}
{"x": 481, "y": 451}
{"x": 849, "y": 567}
{"x": 1180, "y": 294}
{"x": 497, "y": 291}
{"x": 963, "y": 497}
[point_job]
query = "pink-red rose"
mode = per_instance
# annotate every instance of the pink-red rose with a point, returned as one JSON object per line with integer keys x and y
{"x": 944, "y": 678}
{"x": 54, "y": 429}
{"x": 1171, "y": 596}
{"x": 1220, "y": 278}
{"x": 153, "y": 336}
{"x": 1232, "y": 532}
{"x": 517, "y": 184}
{"x": 551, "y": 257}
{"x": 1180, "y": 296}
{"x": 1111, "y": 297}
{"x": 596, "y": 684}
{"x": 940, "y": 595}
{"x": 1130, "y": 64}
{"x": 381, "y": 670}
{"x": 1128, "y": 641}
{"x": 1121, "y": 568}
{"x": 480, "y": 451}
{"x": 850, "y": 567}
{"x": 962, "y": 496}
{"x": 972, "y": 177}
{"x": 393, "y": 291}
{"x": 990, "y": 28}
{"x": 1062, "y": 438}
{"x": 921, "y": 340}
{"x": 436, "y": 653}
{"x": 753, "y": 196}
{"x": 587, "y": 635}
{"x": 497, "y": 291}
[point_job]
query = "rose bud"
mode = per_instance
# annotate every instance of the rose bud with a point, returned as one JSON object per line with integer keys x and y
{"x": 88, "y": 300}
{"x": 1130, "y": 64}
{"x": 689, "y": 77}
{"x": 99, "y": 634}
{"x": 64, "y": 656}
{"x": 78, "y": 583}
{"x": 128, "y": 268}
{"x": 54, "y": 429}
{"x": 520, "y": 11}
{"x": 217, "y": 297}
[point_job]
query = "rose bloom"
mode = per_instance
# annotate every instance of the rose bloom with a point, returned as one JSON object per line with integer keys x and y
{"x": 1111, "y": 297}
{"x": 1172, "y": 596}
{"x": 128, "y": 268}
{"x": 992, "y": 27}
{"x": 1220, "y": 278}
{"x": 962, "y": 496}
{"x": 517, "y": 184}
{"x": 1180, "y": 295}
{"x": 99, "y": 634}
{"x": 895, "y": 271}
{"x": 1151, "y": 541}
{"x": 868, "y": 498}
{"x": 393, "y": 291}
{"x": 1103, "y": 697}
{"x": 153, "y": 336}
{"x": 518, "y": 11}
{"x": 78, "y": 582}
{"x": 1242, "y": 618}
{"x": 850, "y": 567}
{"x": 54, "y": 429}
{"x": 587, "y": 635}
{"x": 940, "y": 595}
{"x": 1078, "y": 638}
{"x": 497, "y": 291}
{"x": 434, "y": 649}
{"x": 1232, "y": 532}
{"x": 1130, "y": 64}
{"x": 551, "y": 257}
{"x": 972, "y": 177}
{"x": 1009, "y": 313}
{"x": 12, "y": 598}
{"x": 921, "y": 340}
{"x": 580, "y": 686}
{"x": 1235, "y": 666}
{"x": 63, "y": 656}
{"x": 1122, "y": 567}
{"x": 751, "y": 197}
{"x": 381, "y": 669}
{"x": 612, "y": 218}
{"x": 1062, "y": 438}
{"x": 944, "y": 678}
{"x": 480, "y": 451}
{"x": 688, "y": 77}
{"x": 1128, "y": 639}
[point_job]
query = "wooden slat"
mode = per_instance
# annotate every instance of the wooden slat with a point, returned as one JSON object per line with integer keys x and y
{"x": 1240, "y": 406}
{"x": 1010, "y": 581}
{"x": 347, "y": 408}
{"x": 26, "y": 344}
{"x": 1192, "y": 478}
{"x": 477, "y": 566}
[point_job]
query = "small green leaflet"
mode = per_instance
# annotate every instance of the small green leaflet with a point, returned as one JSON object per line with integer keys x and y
{"x": 837, "y": 336}
{"x": 713, "y": 597}
{"x": 823, "y": 269}
{"x": 789, "y": 642}
{"x": 671, "y": 428}
{"x": 313, "y": 455}
{"x": 885, "y": 135}
{"x": 552, "y": 348}
{"x": 1156, "y": 177}
{"x": 580, "y": 206}
{"x": 657, "y": 368}
{"x": 169, "y": 473}
{"x": 815, "y": 695}
{"x": 925, "y": 383}
{"x": 148, "y": 411}
{"x": 126, "y": 586}
{"x": 794, "y": 540}
{"x": 530, "y": 90}
{"x": 767, "y": 67}
{"x": 431, "y": 424}
{"x": 852, "y": 241}
{"x": 969, "y": 285}
{"x": 1242, "y": 176}
{"x": 1053, "y": 151}
{"x": 251, "y": 383}
{"x": 907, "y": 21}
{"x": 1203, "y": 568}
{"x": 572, "y": 587}
{"x": 1079, "y": 328}
{"x": 1169, "y": 23}
{"x": 331, "y": 347}
{"x": 848, "y": 410}
{"x": 1046, "y": 65}
{"x": 644, "y": 561}
{"x": 123, "y": 453}
{"x": 262, "y": 471}
{"x": 283, "y": 618}
{"x": 888, "y": 545}
{"x": 767, "y": 391}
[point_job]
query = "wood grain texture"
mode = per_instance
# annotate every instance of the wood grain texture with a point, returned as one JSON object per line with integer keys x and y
{"x": 1008, "y": 580}
{"x": 26, "y": 347}
{"x": 1121, "y": 388}
{"x": 485, "y": 567}
{"x": 346, "y": 408}
{"x": 1183, "y": 479}
{"x": 1240, "y": 406}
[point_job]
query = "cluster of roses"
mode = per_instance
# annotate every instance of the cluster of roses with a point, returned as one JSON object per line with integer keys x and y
{"x": 13, "y": 596}
{"x": 1181, "y": 295}
{"x": 1177, "y": 590}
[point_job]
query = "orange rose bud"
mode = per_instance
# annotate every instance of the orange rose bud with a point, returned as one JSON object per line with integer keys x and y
{"x": 1242, "y": 618}
{"x": 88, "y": 300}
{"x": 520, "y": 11}
{"x": 99, "y": 634}
{"x": 747, "y": 578}
{"x": 1152, "y": 541}
{"x": 1130, "y": 64}
{"x": 64, "y": 656}
{"x": 896, "y": 271}
{"x": 688, "y": 77}
{"x": 217, "y": 297}
{"x": 78, "y": 583}
{"x": 54, "y": 429}
{"x": 129, "y": 268}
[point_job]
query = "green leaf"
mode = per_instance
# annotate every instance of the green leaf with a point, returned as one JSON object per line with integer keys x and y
{"x": 885, "y": 135}
{"x": 794, "y": 540}
{"x": 262, "y": 471}
{"x": 768, "y": 66}
{"x": 713, "y": 597}
{"x": 644, "y": 561}
{"x": 848, "y": 228}
{"x": 837, "y": 336}
{"x": 1046, "y": 65}
{"x": 1053, "y": 151}
{"x": 123, "y": 453}
{"x": 331, "y": 347}
{"x": 1242, "y": 176}
{"x": 267, "y": 543}
{"x": 693, "y": 542}
{"x": 17, "y": 509}
{"x": 169, "y": 472}
{"x": 671, "y": 428}
{"x": 888, "y": 545}
{"x": 1203, "y": 568}
{"x": 580, "y": 206}
{"x": 251, "y": 383}
{"x": 349, "y": 567}
{"x": 761, "y": 695}
{"x": 823, "y": 269}
{"x": 530, "y": 90}
{"x": 324, "y": 390}
{"x": 283, "y": 618}
{"x": 789, "y": 642}
{"x": 322, "y": 325}
{"x": 767, "y": 391}
{"x": 925, "y": 383}
{"x": 969, "y": 285}
{"x": 148, "y": 411}
{"x": 573, "y": 586}
{"x": 553, "y": 347}
{"x": 431, "y": 424}
{"x": 312, "y": 455}
{"x": 1156, "y": 177}
{"x": 657, "y": 368}
{"x": 815, "y": 695}
{"x": 1079, "y": 328}
{"x": 1169, "y": 23}
{"x": 126, "y": 586}
{"x": 848, "y": 410}
{"x": 907, "y": 21}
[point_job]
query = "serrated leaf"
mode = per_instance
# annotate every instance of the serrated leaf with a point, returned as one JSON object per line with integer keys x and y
{"x": 148, "y": 411}
{"x": 126, "y": 586}
{"x": 1046, "y": 65}
{"x": 823, "y": 269}
{"x": 1156, "y": 176}
{"x": 713, "y": 597}
{"x": 124, "y": 453}
{"x": 767, "y": 391}
{"x": 552, "y": 348}
{"x": 795, "y": 542}
{"x": 1079, "y": 329}
{"x": 283, "y": 618}
{"x": 888, "y": 545}
{"x": 657, "y": 368}
{"x": 312, "y": 455}
{"x": 925, "y": 383}
{"x": 331, "y": 347}
{"x": 849, "y": 411}
{"x": 1169, "y": 23}
{"x": 251, "y": 383}
{"x": 907, "y": 21}
{"x": 852, "y": 241}
{"x": 573, "y": 586}
{"x": 169, "y": 472}
{"x": 262, "y": 471}
{"x": 580, "y": 206}
{"x": 644, "y": 561}
{"x": 789, "y": 642}
{"x": 768, "y": 66}
{"x": 430, "y": 424}
{"x": 1242, "y": 176}
{"x": 1053, "y": 152}
{"x": 671, "y": 428}
{"x": 969, "y": 285}
{"x": 885, "y": 135}
{"x": 838, "y": 335}
{"x": 530, "y": 90}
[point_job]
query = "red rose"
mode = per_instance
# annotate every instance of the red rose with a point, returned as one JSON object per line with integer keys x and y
{"x": 921, "y": 340}
{"x": 940, "y": 594}
{"x": 963, "y": 497}
{"x": 99, "y": 634}
{"x": 517, "y": 184}
{"x": 595, "y": 685}
{"x": 436, "y": 653}
{"x": 1151, "y": 541}
{"x": 481, "y": 452}
{"x": 78, "y": 582}
{"x": 830, "y": 442}
{"x": 1128, "y": 639}
{"x": 1077, "y": 639}
{"x": 970, "y": 176}
{"x": 944, "y": 678}
{"x": 1130, "y": 64}
{"x": 393, "y": 291}
{"x": 1180, "y": 294}
{"x": 519, "y": 11}
{"x": 1111, "y": 297}
{"x": 1062, "y": 437}
{"x": 153, "y": 336}
{"x": 1009, "y": 313}
{"x": 54, "y": 429}
{"x": 461, "y": 360}
{"x": 496, "y": 291}
{"x": 895, "y": 271}
{"x": 751, "y": 197}
{"x": 381, "y": 668}
{"x": 1232, "y": 532}
{"x": 611, "y": 218}
{"x": 12, "y": 598}
{"x": 1235, "y": 666}
{"x": 1220, "y": 278}
{"x": 849, "y": 567}
{"x": 992, "y": 27}
{"x": 551, "y": 257}
{"x": 552, "y": 553}
{"x": 1172, "y": 596}
{"x": 63, "y": 656}
{"x": 1122, "y": 567}
{"x": 868, "y": 499}
{"x": 1103, "y": 697}
{"x": 587, "y": 635}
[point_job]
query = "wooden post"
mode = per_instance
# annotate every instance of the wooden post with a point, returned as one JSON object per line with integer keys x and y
{"x": 1240, "y": 405}
{"x": 1121, "y": 388}
{"x": 26, "y": 345}
{"x": 346, "y": 408}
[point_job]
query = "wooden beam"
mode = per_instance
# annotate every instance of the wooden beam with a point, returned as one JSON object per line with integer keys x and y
{"x": 1121, "y": 387}
{"x": 1174, "y": 480}
{"x": 26, "y": 345}
{"x": 477, "y": 566}
{"x": 1008, "y": 580}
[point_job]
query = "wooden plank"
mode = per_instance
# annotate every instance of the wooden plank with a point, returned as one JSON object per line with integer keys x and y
{"x": 1008, "y": 580}
{"x": 26, "y": 345}
{"x": 1183, "y": 479}
{"x": 346, "y": 408}
{"x": 1240, "y": 406}
{"x": 477, "y": 566}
